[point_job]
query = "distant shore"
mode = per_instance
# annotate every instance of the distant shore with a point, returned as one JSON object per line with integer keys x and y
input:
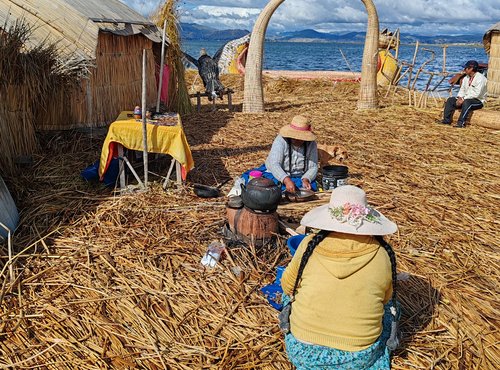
{"x": 323, "y": 41}
{"x": 312, "y": 75}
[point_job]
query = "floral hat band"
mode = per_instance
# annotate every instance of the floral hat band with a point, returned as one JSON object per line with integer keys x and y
{"x": 348, "y": 212}
{"x": 354, "y": 214}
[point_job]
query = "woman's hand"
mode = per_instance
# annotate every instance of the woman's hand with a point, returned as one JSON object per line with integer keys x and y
{"x": 306, "y": 184}
{"x": 290, "y": 186}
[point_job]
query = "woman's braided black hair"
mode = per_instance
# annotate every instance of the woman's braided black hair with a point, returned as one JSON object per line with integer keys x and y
{"x": 392, "y": 257}
{"x": 394, "y": 338}
{"x": 318, "y": 238}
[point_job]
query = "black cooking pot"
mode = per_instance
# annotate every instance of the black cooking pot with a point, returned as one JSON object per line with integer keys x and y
{"x": 261, "y": 194}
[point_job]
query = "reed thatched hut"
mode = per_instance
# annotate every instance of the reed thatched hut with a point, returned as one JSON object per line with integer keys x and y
{"x": 491, "y": 41}
{"x": 105, "y": 40}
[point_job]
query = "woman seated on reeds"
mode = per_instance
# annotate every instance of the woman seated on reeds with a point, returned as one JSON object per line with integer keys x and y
{"x": 292, "y": 161}
{"x": 340, "y": 285}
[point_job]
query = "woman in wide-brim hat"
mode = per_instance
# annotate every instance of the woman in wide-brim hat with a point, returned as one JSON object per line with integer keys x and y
{"x": 340, "y": 281}
{"x": 292, "y": 161}
{"x": 299, "y": 129}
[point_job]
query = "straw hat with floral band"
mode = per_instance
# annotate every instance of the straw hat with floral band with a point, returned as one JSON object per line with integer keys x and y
{"x": 348, "y": 212}
{"x": 300, "y": 129}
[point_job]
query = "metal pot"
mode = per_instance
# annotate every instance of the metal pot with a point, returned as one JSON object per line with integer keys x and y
{"x": 301, "y": 195}
{"x": 204, "y": 191}
{"x": 261, "y": 194}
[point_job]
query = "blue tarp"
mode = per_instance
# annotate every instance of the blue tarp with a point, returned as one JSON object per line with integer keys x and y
{"x": 9, "y": 216}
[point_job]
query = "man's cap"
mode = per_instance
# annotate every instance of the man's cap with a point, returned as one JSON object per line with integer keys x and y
{"x": 471, "y": 63}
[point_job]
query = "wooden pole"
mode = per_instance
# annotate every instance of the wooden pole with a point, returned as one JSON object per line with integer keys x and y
{"x": 412, "y": 64}
{"x": 160, "y": 81}
{"x": 346, "y": 62}
{"x": 397, "y": 44}
{"x": 444, "y": 58}
{"x": 144, "y": 123}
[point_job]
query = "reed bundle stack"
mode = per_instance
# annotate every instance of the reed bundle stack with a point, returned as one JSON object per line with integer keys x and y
{"x": 28, "y": 78}
{"x": 491, "y": 41}
{"x": 486, "y": 118}
{"x": 177, "y": 90}
{"x": 116, "y": 282}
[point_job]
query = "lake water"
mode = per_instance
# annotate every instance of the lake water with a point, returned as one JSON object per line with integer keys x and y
{"x": 315, "y": 56}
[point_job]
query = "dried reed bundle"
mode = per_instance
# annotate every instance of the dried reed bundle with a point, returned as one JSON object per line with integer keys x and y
{"x": 368, "y": 86}
{"x": 117, "y": 282}
{"x": 177, "y": 90}
{"x": 28, "y": 78}
{"x": 254, "y": 97}
{"x": 491, "y": 42}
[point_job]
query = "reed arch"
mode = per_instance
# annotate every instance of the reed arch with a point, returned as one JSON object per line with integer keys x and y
{"x": 253, "y": 101}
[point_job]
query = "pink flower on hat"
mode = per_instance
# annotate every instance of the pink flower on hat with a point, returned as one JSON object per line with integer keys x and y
{"x": 349, "y": 212}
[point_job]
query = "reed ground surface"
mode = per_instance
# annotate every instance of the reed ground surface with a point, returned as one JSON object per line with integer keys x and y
{"x": 107, "y": 281}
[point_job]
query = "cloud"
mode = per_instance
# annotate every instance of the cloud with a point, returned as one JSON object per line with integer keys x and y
{"x": 426, "y": 17}
{"x": 145, "y": 7}
{"x": 222, "y": 17}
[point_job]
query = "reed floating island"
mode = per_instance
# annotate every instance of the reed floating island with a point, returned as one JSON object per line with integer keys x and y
{"x": 105, "y": 281}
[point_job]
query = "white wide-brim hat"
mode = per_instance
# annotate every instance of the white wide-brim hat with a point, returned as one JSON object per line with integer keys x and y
{"x": 348, "y": 212}
{"x": 300, "y": 129}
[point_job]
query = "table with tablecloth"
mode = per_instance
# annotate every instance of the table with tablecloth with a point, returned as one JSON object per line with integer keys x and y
{"x": 127, "y": 131}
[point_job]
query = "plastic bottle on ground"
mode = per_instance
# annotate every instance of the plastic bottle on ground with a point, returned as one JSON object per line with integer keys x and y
{"x": 213, "y": 253}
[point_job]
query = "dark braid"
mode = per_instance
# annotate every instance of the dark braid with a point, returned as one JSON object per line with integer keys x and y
{"x": 306, "y": 162}
{"x": 394, "y": 338}
{"x": 289, "y": 142}
{"x": 392, "y": 257}
{"x": 318, "y": 238}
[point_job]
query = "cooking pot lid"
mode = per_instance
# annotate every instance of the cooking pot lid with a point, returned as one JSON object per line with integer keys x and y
{"x": 261, "y": 182}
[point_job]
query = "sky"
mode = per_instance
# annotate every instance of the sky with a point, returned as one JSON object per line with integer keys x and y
{"x": 420, "y": 17}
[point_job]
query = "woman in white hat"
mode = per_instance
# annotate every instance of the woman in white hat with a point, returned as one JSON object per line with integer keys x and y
{"x": 340, "y": 282}
{"x": 292, "y": 161}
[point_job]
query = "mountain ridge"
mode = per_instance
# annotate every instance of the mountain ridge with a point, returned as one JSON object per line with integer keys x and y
{"x": 193, "y": 31}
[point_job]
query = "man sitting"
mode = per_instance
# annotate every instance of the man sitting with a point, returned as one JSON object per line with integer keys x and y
{"x": 472, "y": 95}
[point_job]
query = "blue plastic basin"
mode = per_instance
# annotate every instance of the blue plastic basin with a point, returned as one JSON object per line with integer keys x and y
{"x": 293, "y": 242}
{"x": 273, "y": 294}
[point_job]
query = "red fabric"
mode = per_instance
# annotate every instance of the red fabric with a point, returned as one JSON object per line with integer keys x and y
{"x": 164, "y": 85}
{"x": 113, "y": 153}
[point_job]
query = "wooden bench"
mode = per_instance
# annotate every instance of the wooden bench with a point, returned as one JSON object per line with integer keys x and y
{"x": 199, "y": 94}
